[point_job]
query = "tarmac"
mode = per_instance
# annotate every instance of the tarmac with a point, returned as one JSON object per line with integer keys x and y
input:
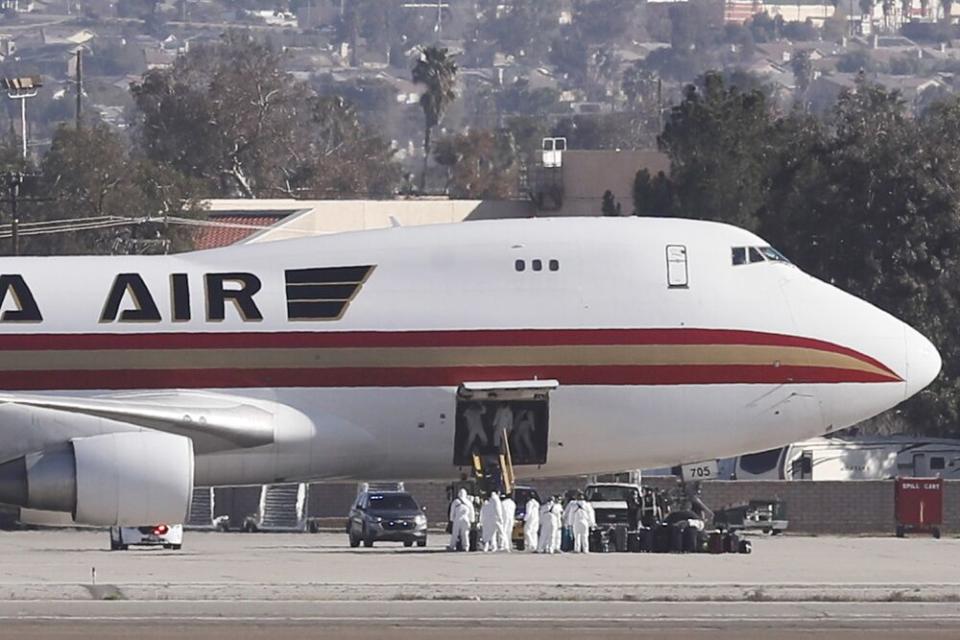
{"x": 67, "y": 584}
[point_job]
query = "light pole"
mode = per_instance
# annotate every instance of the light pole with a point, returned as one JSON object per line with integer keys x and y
{"x": 439, "y": 5}
{"x": 21, "y": 89}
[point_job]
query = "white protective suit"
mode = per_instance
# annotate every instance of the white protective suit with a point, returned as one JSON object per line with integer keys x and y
{"x": 582, "y": 519}
{"x": 508, "y": 508}
{"x": 556, "y": 524}
{"x": 462, "y": 515}
{"x": 491, "y": 520}
{"x": 502, "y": 425}
{"x": 531, "y": 525}
{"x": 543, "y": 542}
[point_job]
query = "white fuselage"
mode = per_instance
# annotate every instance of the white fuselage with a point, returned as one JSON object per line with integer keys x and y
{"x": 732, "y": 358}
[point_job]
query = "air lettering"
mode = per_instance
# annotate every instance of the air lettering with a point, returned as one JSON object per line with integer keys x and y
{"x": 130, "y": 285}
{"x": 27, "y": 309}
{"x": 243, "y": 287}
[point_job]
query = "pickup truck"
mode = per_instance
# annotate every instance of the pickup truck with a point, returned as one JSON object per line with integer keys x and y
{"x": 613, "y": 502}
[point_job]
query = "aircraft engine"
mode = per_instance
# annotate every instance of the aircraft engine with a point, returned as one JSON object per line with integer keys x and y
{"x": 125, "y": 479}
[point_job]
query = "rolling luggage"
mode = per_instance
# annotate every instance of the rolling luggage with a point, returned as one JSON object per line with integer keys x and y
{"x": 731, "y": 542}
{"x": 596, "y": 541}
{"x": 690, "y": 537}
{"x": 474, "y": 538}
{"x": 633, "y": 542}
{"x": 619, "y": 537}
{"x": 566, "y": 539}
{"x": 661, "y": 538}
{"x": 646, "y": 539}
{"x": 676, "y": 538}
{"x": 715, "y": 542}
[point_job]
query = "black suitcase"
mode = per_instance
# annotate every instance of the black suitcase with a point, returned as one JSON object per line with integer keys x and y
{"x": 633, "y": 542}
{"x": 745, "y": 546}
{"x": 619, "y": 537}
{"x": 595, "y": 541}
{"x": 661, "y": 538}
{"x": 474, "y": 538}
{"x": 731, "y": 542}
{"x": 676, "y": 538}
{"x": 690, "y": 537}
{"x": 715, "y": 542}
{"x": 646, "y": 539}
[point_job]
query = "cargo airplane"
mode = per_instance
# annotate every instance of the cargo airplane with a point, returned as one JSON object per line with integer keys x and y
{"x": 127, "y": 380}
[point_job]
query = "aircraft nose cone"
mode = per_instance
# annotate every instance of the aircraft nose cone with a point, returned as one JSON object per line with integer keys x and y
{"x": 923, "y": 362}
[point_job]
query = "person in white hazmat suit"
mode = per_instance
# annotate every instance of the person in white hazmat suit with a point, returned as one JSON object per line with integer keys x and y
{"x": 582, "y": 519}
{"x": 556, "y": 525}
{"x": 462, "y": 515}
{"x": 491, "y": 520}
{"x": 531, "y": 525}
{"x": 546, "y": 534}
{"x": 508, "y": 508}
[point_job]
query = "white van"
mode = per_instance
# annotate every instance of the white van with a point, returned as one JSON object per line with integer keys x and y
{"x": 158, "y": 535}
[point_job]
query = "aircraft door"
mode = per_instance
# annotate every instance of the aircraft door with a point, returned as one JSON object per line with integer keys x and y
{"x": 491, "y": 416}
{"x": 920, "y": 465}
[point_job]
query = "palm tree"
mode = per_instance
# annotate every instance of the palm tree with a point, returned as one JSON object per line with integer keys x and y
{"x": 436, "y": 70}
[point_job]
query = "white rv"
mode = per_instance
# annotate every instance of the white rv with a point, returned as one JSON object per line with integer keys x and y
{"x": 853, "y": 458}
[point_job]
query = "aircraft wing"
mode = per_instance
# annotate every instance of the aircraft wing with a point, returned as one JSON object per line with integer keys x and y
{"x": 215, "y": 422}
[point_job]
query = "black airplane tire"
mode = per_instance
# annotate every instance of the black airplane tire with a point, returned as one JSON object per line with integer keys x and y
{"x": 354, "y": 541}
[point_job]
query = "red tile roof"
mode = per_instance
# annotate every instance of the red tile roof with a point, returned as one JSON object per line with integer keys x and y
{"x": 212, "y": 237}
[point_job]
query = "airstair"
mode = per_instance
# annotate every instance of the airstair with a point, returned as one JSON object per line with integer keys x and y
{"x": 282, "y": 508}
{"x": 494, "y": 470}
{"x": 201, "y": 509}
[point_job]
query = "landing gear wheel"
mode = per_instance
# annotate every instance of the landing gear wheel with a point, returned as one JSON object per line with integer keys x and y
{"x": 354, "y": 541}
{"x": 367, "y": 540}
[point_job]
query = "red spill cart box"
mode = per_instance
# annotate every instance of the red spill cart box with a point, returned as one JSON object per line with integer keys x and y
{"x": 919, "y": 505}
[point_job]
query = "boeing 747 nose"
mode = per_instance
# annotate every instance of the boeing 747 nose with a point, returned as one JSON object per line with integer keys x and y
{"x": 923, "y": 361}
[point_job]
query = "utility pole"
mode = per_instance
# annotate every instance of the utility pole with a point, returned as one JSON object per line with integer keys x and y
{"x": 15, "y": 180}
{"x": 79, "y": 85}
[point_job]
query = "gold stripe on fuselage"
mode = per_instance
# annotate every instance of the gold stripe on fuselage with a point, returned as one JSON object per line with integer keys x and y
{"x": 388, "y": 357}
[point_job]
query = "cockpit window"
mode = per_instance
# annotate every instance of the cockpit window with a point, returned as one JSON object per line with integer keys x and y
{"x": 751, "y": 255}
{"x": 772, "y": 254}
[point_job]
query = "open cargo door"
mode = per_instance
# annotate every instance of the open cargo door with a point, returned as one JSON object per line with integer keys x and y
{"x": 498, "y": 417}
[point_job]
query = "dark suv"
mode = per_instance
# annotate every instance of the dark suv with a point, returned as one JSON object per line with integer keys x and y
{"x": 391, "y": 516}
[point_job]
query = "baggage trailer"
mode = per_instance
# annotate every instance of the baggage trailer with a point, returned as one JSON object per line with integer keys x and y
{"x": 918, "y": 505}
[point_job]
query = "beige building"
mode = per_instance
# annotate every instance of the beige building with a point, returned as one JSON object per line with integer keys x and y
{"x": 264, "y": 220}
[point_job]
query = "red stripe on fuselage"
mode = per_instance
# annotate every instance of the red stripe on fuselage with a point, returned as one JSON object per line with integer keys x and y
{"x": 445, "y": 338}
